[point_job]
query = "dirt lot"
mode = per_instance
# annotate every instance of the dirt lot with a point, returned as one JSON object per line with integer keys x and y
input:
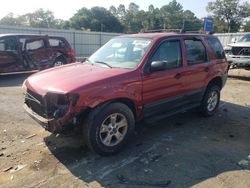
{"x": 181, "y": 151}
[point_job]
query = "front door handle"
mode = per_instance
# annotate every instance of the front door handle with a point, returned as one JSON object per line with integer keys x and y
{"x": 178, "y": 76}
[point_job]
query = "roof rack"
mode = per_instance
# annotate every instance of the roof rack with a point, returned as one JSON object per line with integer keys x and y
{"x": 176, "y": 31}
{"x": 162, "y": 30}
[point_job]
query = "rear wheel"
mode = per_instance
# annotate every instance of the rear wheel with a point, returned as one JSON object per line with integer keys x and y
{"x": 108, "y": 128}
{"x": 210, "y": 101}
{"x": 59, "y": 62}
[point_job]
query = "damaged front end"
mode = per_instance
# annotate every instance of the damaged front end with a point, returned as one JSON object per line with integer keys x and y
{"x": 54, "y": 112}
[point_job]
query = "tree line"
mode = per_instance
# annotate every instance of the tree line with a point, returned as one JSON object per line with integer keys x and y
{"x": 228, "y": 16}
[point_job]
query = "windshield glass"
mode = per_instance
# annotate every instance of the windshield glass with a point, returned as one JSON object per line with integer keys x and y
{"x": 121, "y": 52}
{"x": 246, "y": 38}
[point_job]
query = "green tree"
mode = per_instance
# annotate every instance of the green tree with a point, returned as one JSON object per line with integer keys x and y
{"x": 40, "y": 18}
{"x": 43, "y": 19}
{"x": 121, "y": 11}
{"x": 172, "y": 15}
{"x": 133, "y": 8}
{"x": 232, "y": 12}
{"x": 113, "y": 10}
{"x": 10, "y": 19}
{"x": 96, "y": 19}
{"x": 247, "y": 26}
{"x": 81, "y": 20}
{"x": 191, "y": 22}
{"x": 219, "y": 25}
{"x": 133, "y": 19}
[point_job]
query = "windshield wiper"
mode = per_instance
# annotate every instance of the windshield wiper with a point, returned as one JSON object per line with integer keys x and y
{"x": 100, "y": 62}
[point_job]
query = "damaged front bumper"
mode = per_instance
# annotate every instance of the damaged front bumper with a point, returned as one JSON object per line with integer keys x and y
{"x": 52, "y": 125}
{"x": 54, "y": 112}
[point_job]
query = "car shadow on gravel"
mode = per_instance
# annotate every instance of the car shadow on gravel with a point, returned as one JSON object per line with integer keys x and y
{"x": 12, "y": 80}
{"x": 239, "y": 77}
{"x": 179, "y": 151}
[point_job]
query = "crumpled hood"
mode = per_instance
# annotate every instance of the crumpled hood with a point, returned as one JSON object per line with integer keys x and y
{"x": 70, "y": 77}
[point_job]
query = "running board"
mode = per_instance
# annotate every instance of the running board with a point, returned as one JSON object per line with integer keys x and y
{"x": 156, "y": 118}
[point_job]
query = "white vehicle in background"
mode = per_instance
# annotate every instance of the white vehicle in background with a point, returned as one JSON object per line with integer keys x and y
{"x": 238, "y": 53}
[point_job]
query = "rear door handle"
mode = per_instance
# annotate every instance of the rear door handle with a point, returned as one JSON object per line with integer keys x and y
{"x": 178, "y": 76}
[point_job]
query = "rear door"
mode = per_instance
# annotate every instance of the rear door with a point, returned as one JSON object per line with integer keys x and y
{"x": 9, "y": 55}
{"x": 197, "y": 69}
{"x": 38, "y": 55}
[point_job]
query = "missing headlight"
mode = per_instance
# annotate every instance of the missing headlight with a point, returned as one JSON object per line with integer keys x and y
{"x": 58, "y": 104}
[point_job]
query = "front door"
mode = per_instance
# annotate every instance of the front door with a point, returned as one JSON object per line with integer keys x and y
{"x": 162, "y": 90}
{"x": 9, "y": 55}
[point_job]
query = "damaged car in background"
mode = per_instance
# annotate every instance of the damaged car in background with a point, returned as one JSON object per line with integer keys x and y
{"x": 238, "y": 52}
{"x": 131, "y": 78}
{"x": 30, "y": 53}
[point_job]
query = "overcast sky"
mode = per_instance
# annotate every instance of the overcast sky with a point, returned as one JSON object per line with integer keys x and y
{"x": 65, "y": 9}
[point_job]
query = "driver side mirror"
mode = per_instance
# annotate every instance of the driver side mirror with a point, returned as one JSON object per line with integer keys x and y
{"x": 157, "y": 66}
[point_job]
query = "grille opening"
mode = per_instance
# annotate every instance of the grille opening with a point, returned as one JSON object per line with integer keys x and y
{"x": 241, "y": 51}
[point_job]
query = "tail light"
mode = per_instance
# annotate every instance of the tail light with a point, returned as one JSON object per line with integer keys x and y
{"x": 72, "y": 52}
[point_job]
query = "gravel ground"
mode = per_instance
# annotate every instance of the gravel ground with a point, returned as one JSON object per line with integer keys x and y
{"x": 182, "y": 151}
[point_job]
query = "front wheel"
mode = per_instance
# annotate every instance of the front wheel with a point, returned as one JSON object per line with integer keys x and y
{"x": 210, "y": 101}
{"x": 108, "y": 128}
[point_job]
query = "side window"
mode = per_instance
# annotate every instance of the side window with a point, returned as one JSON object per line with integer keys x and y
{"x": 216, "y": 46}
{"x": 2, "y": 45}
{"x": 56, "y": 43}
{"x": 170, "y": 52}
{"x": 35, "y": 44}
{"x": 195, "y": 52}
{"x": 8, "y": 45}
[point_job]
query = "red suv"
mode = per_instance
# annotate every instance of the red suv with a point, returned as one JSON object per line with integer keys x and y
{"x": 131, "y": 78}
{"x": 22, "y": 53}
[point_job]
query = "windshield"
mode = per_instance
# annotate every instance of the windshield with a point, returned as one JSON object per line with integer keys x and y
{"x": 121, "y": 52}
{"x": 246, "y": 38}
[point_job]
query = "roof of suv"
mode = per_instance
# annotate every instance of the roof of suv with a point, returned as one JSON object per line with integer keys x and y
{"x": 160, "y": 35}
{"x": 28, "y": 35}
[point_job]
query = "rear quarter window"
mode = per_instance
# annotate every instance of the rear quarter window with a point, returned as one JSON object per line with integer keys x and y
{"x": 56, "y": 43}
{"x": 216, "y": 47}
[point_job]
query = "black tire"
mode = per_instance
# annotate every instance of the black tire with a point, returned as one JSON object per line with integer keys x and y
{"x": 59, "y": 61}
{"x": 97, "y": 119}
{"x": 205, "y": 109}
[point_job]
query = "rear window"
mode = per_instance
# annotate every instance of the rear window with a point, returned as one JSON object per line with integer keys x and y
{"x": 57, "y": 43}
{"x": 216, "y": 46}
